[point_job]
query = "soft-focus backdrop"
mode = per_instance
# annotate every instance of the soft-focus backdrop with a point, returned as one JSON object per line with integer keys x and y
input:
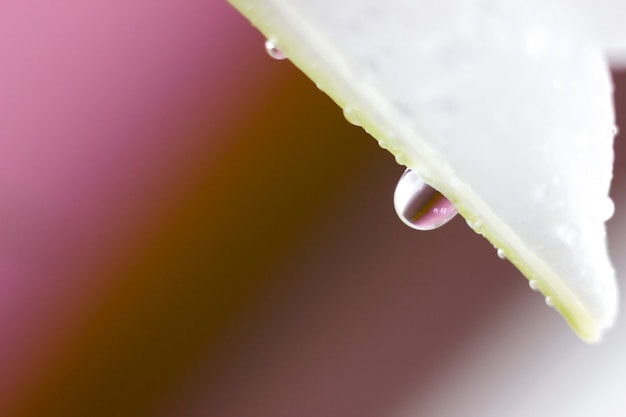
{"x": 189, "y": 228}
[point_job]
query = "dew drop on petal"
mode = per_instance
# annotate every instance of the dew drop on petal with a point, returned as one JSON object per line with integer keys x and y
{"x": 272, "y": 49}
{"x": 501, "y": 253}
{"x": 475, "y": 225}
{"x": 350, "y": 115}
{"x": 420, "y": 206}
{"x": 533, "y": 285}
{"x": 607, "y": 209}
{"x": 549, "y": 301}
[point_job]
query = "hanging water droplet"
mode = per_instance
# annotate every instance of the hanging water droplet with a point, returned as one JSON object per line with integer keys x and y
{"x": 500, "y": 253}
{"x": 273, "y": 50}
{"x": 534, "y": 285}
{"x": 549, "y": 301}
{"x": 614, "y": 130}
{"x": 420, "y": 206}
{"x": 607, "y": 209}
{"x": 350, "y": 115}
{"x": 475, "y": 225}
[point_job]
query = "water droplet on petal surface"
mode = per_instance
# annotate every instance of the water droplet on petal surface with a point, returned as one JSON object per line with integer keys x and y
{"x": 533, "y": 285}
{"x": 501, "y": 253}
{"x": 607, "y": 209}
{"x": 350, "y": 115}
{"x": 419, "y": 205}
{"x": 549, "y": 301}
{"x": 273, "y": 50}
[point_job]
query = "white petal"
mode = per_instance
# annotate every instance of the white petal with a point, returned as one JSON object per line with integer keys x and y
{"x": 605, "y": 21}
{"x": 503, "y": 107}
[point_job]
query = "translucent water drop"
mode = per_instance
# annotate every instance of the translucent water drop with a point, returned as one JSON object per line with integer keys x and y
{"x": 475, "y": 225}
{"x": 350, "y": 115}
{"x": 614, "y": 130}
{"x": 533, "y": 285}
{"x": 549, "y": 301}
{"x": 501, "y": 253}
{"x": 272, "y": 49}
{"x": 420, "y": 206}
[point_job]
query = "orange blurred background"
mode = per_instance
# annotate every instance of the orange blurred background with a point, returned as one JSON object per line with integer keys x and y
{"x": 189, "y": 228}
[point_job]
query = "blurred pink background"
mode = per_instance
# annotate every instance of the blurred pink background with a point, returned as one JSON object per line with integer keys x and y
{"x": 189, "y": 228}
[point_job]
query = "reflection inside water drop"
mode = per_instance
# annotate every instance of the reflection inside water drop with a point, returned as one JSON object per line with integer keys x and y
{"x": 273, "y": 50}
{"x": 420, "y": 206}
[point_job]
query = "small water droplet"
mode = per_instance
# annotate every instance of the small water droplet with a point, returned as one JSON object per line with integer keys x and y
{"x": 549, "y": 301}
{"x": 350, "y": 114}
{"x": 475, "y": 225}
{"x": 501, "y": 253}
{"x": 614, "y": 130}
{"x": 533, "y": 284}
{"x": 273, "y": 50}
{"x": 420, "y": 206}
{"x": 454, "y": 183}
{"x": 607, "y": 209}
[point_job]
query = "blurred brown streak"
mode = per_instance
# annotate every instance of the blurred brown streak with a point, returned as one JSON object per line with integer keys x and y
{"x": 344, "y": 322}
{"x": 372, "y": 312}
{"x": 204, "y": 266}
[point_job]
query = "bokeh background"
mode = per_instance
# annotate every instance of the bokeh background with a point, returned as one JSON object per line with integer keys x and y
{"x": 189, "y": 228}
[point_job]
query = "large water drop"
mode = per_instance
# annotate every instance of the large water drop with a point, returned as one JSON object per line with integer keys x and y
{"x": 419, "y": 205}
